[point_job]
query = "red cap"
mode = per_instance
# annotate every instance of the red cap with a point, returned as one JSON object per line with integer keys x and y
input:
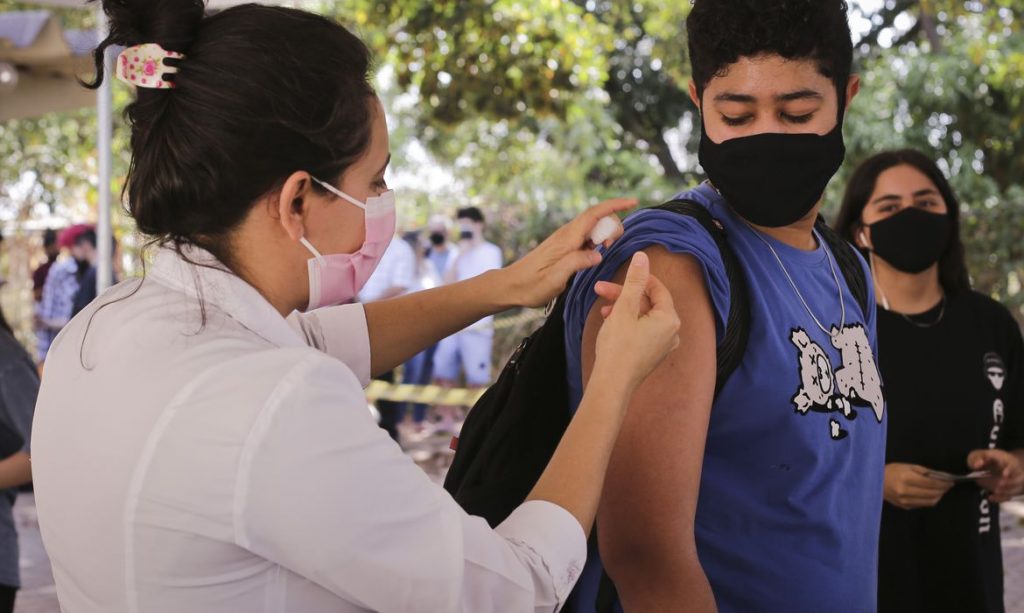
{"x": 68, "y": 236}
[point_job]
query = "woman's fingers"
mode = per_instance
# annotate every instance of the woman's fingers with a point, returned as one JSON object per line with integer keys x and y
{"x": 654, "y": 295}
{"x": 608, "y": 290}
{"x": 1003, "y": 489}
{"x": 584, "y": 224}
{"x": 566, "y": 266}
{"x": 635, "y": 286}
{"x": 992, "y": 459}
{"x": 927, "y": 484}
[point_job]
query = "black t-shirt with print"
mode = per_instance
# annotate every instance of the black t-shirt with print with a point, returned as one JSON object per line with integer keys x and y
{"x": 950, "y": 388}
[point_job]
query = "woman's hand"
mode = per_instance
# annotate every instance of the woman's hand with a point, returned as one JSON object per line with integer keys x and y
{"x": 907, "y": 486}
{"x": 640, "y": 329}
{"x": 542, "y": 274}
{"x": 1007, "y": 478}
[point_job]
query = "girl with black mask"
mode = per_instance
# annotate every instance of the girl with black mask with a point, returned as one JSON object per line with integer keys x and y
{"x": 951, "y": 360}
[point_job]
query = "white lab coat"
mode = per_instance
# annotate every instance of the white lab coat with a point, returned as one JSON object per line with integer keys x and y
{"x": 231, "y": 465}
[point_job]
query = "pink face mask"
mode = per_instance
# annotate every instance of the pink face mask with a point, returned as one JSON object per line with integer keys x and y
{"x": 337, "y": 278}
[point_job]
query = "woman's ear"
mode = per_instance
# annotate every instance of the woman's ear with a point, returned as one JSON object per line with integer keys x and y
{"x": 293, "y": 203}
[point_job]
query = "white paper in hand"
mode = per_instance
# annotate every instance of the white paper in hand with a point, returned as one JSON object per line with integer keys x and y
{"x": 944, "y": 476}
{"x": 606, "y": 228}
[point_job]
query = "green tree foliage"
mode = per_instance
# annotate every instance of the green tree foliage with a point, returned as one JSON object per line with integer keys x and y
{"x": 534, "y": 109}
{"x": 943, "y": 76}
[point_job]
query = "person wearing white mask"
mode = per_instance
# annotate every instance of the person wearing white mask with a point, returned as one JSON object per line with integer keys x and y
{"x": 198, "y": 445}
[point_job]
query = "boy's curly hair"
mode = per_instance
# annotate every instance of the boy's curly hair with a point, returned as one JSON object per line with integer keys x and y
{"x": 722, "y": 31}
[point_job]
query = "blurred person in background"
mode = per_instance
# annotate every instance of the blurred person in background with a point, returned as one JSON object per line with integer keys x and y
{"x": 953, "y": 365}
{"x": 442, "y": 252}
{"x": 395, "y": 276}
{"x": 85, "y": 244}
{"x": 419, "y": 369}
{"x": 468, "y": 353}
{"x": 52, "y": 250}
{"x": 19, "y": 386}
{"x": 61, "y": 286}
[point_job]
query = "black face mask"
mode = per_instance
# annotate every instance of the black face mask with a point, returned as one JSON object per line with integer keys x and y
{"x": 466, "y": 235}
{"x": 911, "y": 240}
{"x": 437, "y": 239}
{"x": 773, "y": 180}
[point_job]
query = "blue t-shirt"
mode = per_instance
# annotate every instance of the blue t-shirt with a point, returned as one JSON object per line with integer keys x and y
{"x": 791, "y": 488}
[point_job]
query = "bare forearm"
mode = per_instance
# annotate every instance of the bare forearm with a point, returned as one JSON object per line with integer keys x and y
{"x": 393, "y": 292}
{"x": 15, "y": 470}
{"x": 670, "y": 588}
{"x": 574, "y": 478}
{"x": 402, "y": 327}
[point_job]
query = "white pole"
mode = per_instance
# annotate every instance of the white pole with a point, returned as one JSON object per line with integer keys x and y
{"x": 105, "y": 127}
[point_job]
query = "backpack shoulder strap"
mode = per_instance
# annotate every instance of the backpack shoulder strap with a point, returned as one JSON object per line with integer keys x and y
{"x": 737, "y": 327}
{"x": 848, "y": 262}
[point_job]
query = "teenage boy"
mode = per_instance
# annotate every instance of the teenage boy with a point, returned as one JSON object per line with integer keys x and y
{"x": 766, "y": 496}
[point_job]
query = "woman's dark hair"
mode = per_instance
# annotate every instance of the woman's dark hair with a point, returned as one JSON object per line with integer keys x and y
{"x": 261, "y": 93}
{"x": 952, "y": 267}
{"x": 722, "y": 31}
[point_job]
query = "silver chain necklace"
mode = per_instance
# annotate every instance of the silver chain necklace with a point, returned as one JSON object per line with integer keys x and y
{"x": 928, "y": 324}
{"x": 807, "y": 307}
{"x": 910, "y": 320}
{"x": 885, "y": 303}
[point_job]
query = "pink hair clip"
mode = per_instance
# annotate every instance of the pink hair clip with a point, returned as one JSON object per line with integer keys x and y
{"x": 145, "y": 66}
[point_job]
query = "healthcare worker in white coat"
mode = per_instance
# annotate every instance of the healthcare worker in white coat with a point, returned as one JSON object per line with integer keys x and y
{"x": 201, "y": 442}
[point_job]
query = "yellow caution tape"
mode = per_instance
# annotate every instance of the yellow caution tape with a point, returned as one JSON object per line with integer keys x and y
{"x": 436, "y": 395}
{"x": 423, "y": 394}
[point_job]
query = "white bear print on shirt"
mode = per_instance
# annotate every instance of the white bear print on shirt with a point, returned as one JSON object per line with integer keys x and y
{"x": 824, "y": 389}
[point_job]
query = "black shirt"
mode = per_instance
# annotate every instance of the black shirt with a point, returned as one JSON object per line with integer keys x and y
{"x": 950, "y": 388}
{"x": 86, "y": 291}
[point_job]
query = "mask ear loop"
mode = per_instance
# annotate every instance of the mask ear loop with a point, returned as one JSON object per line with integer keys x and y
{"x": 874, "y": 273}
{"x": 337, "y": 192}
{"x": 308, "y": 245}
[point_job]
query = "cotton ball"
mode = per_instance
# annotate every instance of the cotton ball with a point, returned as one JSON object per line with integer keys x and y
{"x": 606, "y": 228}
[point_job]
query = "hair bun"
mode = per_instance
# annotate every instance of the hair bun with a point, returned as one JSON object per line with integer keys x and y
{"x": 172, "y": 24}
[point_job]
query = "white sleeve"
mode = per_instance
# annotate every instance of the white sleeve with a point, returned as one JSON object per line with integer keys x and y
{"x": 340, "y": 332}
{"x": 404, "y": 274}
{"x": 495, "y": 258}
{"x": 325, "y": 493}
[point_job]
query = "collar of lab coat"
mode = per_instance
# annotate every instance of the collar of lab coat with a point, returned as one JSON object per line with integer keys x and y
{"x": 202, "y": 277}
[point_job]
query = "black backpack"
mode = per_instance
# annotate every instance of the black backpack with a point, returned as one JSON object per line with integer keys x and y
{"x": 512, "y": 431}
